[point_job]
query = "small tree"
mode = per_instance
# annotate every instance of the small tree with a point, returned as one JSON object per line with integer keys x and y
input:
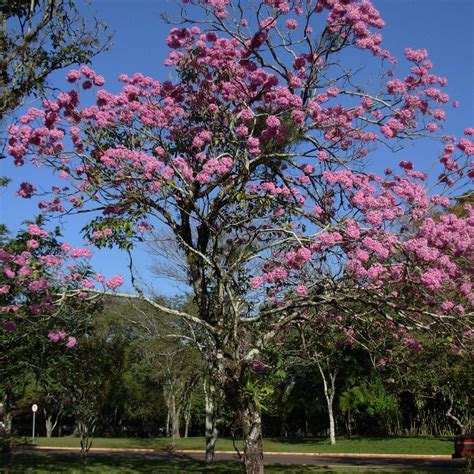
{"x": 38, "y": 318}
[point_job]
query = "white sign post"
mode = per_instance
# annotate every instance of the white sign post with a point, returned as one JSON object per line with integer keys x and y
{"x": 34, "y": 409}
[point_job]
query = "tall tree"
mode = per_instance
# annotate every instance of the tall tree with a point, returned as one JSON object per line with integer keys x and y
{"x": 256, "y": 158}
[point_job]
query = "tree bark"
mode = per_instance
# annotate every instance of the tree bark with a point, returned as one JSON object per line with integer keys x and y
{"x": 211, "y": 419}
{"x": 5, "y": 425}
{"x": 329, "y": 392}
{"x": 332, "y": 425}
{"x": 167, "y": 430}
{"x": 50, "y": 423}
{"x": 187, "y": 420}
{"x": 85, "y": 428}
{"x": 174, "y": 416}
{"x": 252, "y": 433}
{"x": 49, "y": 426}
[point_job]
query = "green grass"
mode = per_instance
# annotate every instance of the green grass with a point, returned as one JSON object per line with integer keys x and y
{"x": 420, "y": 445}
{"x": 45, "y": 463}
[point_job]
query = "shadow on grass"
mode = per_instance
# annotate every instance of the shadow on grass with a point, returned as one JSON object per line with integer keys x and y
{"x": 42, "y": 463}
{"x": 45, "y": 463}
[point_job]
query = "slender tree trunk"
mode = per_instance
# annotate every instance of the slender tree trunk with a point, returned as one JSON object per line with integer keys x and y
{"x": 211, "y": 418}
{"x": 167, "y": 430}
{"x": 252, "y": 434}
{"x": 186, "y": 402}
{"x": 332, "y": 425}
{"x": 6, "y": 433}
{"x": 329, "y": 392}
{"x": 50, "y": 423}
{"x": 49, "y": 426}
{"x": 349, "y": 422}
{"x": 5, "y": 426}
{"x": 187, "y": 419}
{"x": 175, "y": 416}
{"x": 85, "y": 428}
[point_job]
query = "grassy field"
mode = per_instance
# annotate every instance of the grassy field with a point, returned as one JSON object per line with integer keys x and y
{"x": 420, "y": 445}
{"x": 45, "y": 463}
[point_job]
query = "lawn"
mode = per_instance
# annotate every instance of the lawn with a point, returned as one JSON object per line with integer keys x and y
{"x": 45, "y": 463}
{"x": 419, "y": 445}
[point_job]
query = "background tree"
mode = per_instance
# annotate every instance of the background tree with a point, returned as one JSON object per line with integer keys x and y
{"x": 38, "y": 37}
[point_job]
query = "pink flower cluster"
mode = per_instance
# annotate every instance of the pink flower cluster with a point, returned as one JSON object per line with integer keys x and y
{"x": 35, "y": 276}
{"x": 56, "y": 336}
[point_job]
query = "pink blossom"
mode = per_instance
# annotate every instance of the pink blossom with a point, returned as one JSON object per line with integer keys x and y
{"x": 114, "y": 282}
{"x": 38, "y": 285}
{"x": 33, "y": 229}
{"x": 273, "y": 121}
{"x": 71, "y": 342}
{"x": 167, "y": 173}
{"x": 80, "y": 252}
{"x": 416, "y": 55}
{"x": 32, "y": 244}
{"x": 55, "y": 336}
{"x": 433, "y": 278}
{"x": 247, "y": 115}
{"x": 87, "y": 283}
{"x": 322, "y": 155}
{"x": 73, "y": 75}
{"x": 26, "y": 190}
{"x": 291, "y": 24}
{"x": 256, "y": 282}
{"x": 301, "y": 290}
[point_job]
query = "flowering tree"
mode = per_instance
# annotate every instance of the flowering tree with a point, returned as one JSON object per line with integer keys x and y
{"x": 38, "y": 280}
{"x": 257, "y": 158}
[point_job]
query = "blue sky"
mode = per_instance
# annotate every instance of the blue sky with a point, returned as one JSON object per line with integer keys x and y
{"x": 444, "y": 27}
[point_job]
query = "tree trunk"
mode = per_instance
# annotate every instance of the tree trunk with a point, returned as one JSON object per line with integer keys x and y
{"x": 329, "y": 392}
{"x": 187, "y": 420}
{"x": 5, "y": 434}
{"x": 7, "y": 424}
{"x": 49, "y": 426}
{"x": 332, "y": 425}
{"x": 174, "y": 417}
{"x": 211, "y": 419}
{"x": 349, "y": 422}
{"x": 167, "y": 430}
{"x": 252, "y": 433}
{"x": 50, "y": 423}
{"x": 85, "y": 427}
